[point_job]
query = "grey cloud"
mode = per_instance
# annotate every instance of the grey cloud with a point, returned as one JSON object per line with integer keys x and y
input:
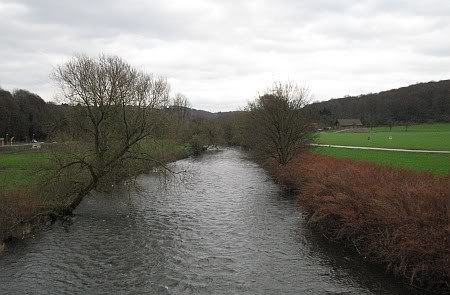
{"x": 110, "y": 18}
{"x": 221, "y": 53}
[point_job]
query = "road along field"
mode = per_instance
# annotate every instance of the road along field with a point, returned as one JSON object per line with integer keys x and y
{"x": 434, "y": 137}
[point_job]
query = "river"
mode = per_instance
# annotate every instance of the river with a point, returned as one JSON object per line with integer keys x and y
{"x": 220, "y": 227}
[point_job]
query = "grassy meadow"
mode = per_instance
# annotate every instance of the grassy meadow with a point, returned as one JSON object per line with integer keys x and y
{"x": 438, "y": 164}
{"x": 421, "y": 137}
{"x": 424, "y": 136}
{"x": 20, "y": 170}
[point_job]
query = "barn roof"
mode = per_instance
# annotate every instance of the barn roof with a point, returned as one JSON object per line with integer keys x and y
{"x": 349, "y": 122}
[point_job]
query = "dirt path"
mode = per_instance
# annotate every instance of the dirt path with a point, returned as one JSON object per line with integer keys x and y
{"x": 380, "y": 149}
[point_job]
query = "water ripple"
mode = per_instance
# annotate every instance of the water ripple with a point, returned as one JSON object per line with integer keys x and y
{"x": 223, "y": 227}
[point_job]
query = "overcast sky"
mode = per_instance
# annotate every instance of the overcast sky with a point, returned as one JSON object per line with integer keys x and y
{"x": 221, "y": 53}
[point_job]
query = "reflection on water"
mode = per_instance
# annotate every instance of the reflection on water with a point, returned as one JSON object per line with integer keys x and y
{"x": 221, "y": 227}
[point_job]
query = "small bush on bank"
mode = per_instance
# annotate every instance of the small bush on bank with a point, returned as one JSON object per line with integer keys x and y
{"x": 396, "y": 217}
{"x": 15, "y": 208}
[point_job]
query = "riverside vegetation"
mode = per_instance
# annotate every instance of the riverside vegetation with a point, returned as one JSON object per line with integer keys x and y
{"x": 24, "y": 175}
{"x": 394, "y": 217}
{"x": 119, "y": 122}
{"x": 391, "y": 216}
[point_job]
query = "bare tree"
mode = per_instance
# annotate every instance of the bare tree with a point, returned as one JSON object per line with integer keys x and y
{"x": 181, "y": 104}
{"x": 277, "y": 126}
{"x": 115, "y": 107}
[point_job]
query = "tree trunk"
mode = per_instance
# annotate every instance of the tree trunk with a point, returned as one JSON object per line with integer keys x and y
{"x": 80, "y": 196}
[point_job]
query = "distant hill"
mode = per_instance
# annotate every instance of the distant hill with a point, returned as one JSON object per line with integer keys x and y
{"x": 195, "y": 113}
{"x": 192, "y": 113}
{"x": 422, "y": 102}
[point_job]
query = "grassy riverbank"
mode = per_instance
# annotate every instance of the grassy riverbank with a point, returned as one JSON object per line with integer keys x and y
{"x": 395, "y": 217}
{"x": 20, "y": 175}
{"x": 24, "y": 172}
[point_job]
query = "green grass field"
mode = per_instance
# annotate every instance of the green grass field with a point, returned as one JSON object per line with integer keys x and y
{"x": 434, "y": 163}
{"x": 23, "y": 169}
{"x": 424, "y": 136}
{"x": 20, "y": 170}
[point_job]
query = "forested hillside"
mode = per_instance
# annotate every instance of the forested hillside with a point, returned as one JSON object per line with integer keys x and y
{"x": 23, "y": 115}
{"x": 422, "y": 102}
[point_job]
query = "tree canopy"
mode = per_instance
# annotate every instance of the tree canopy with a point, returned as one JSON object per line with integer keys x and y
{"x": 277, "y": 127}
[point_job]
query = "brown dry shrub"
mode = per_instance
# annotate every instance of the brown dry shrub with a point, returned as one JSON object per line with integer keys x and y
{"x": 395, "y": 217}
{"x": 15, "y": 208}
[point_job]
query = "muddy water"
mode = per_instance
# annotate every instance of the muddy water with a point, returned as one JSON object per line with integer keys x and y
{"x": 221, "y": 227}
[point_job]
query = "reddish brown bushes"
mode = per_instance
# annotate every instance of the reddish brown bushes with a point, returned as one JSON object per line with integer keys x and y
{"x": 395, "y": 217}
{"x": 15, "y": 208}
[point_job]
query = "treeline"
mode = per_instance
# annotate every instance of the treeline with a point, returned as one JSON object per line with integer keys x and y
{"x": 202, "y": 129}
{"x": 422, "y": 102}
{"x": 24, "y": 115}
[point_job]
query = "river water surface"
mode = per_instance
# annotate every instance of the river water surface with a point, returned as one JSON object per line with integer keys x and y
{"x": 221, "y": 227}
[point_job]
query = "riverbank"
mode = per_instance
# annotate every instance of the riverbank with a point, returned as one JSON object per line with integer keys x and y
{"x": 23, "y": 174}
{"x": 394, "y": 217}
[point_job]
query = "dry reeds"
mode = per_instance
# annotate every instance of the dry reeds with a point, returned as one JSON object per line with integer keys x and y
{"x": 395, "y": 217}
{"x": 15, "y": 208}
